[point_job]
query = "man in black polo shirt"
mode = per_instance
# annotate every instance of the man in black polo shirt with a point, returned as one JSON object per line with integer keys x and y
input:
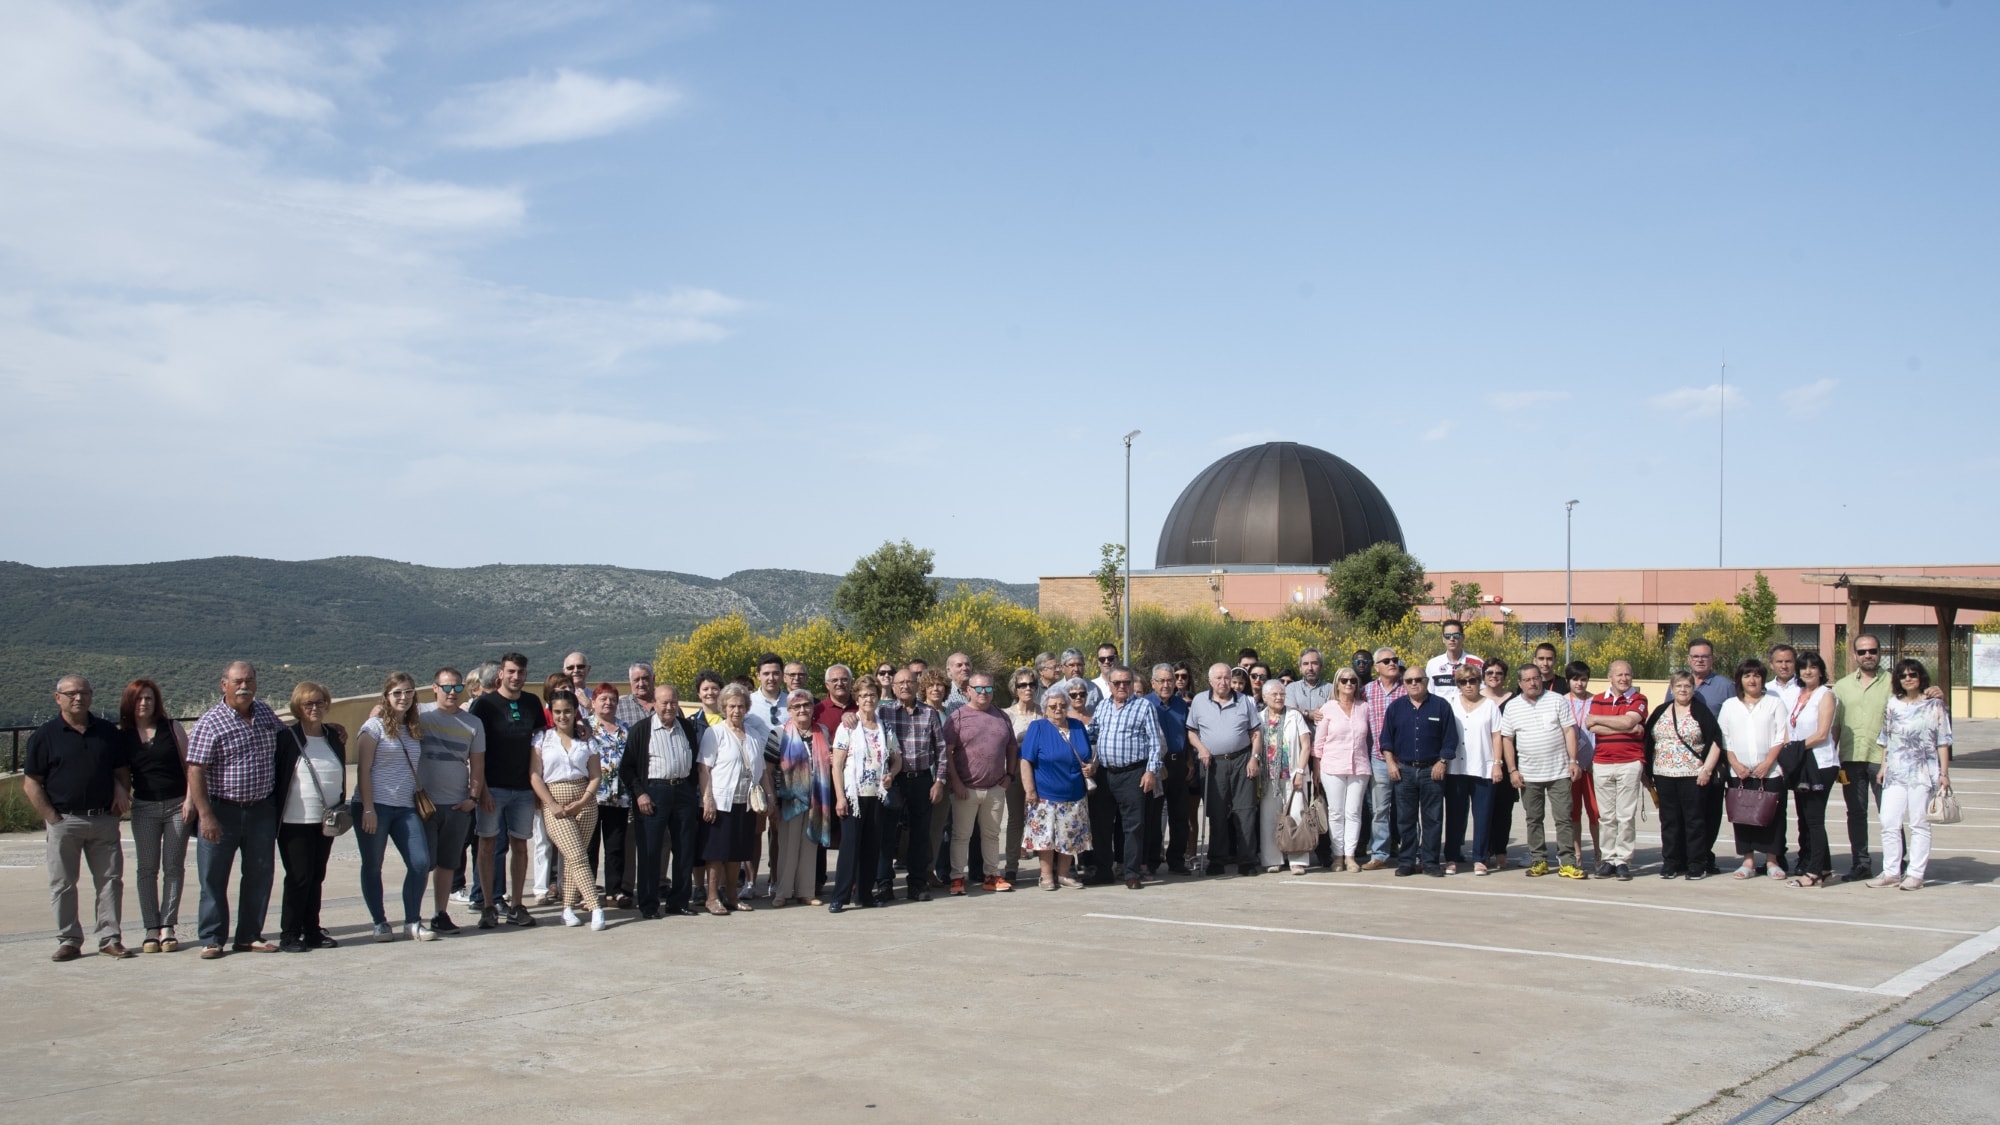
{"x": 510, "y": 717}
{"x": 76, "y": 776}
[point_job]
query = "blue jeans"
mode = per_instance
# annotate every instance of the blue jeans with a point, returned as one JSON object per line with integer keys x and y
{"x": 1463, "y": 793}
{"x": 1384, "y": 808}
{"x": 401, "y": 824}
{"x": 1419, "y": 815}
{"x": 251, "y": 829}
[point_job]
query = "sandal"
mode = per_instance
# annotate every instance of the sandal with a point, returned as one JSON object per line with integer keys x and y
{"x": 717, "y": 909}
{"x": 1047, "y": 884}
{"x": 1803, "y": 881}
{"x": 1775, "y": 871}
{"x": 1479, "y": 869}
{"x": 1747, "y": 871}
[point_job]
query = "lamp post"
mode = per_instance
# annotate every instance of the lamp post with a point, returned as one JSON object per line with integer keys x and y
{"x": 1125, "y": 602}
{"x": 1569, "y": 615}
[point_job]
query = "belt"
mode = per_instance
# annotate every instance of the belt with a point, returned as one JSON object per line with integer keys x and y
{"x": 682, "y": 780}
{"x": 84, "y": 812}
{"x": 1125, "y": 769}
{"x": 239, "y": 804}
{"x": 1423, "y": 765}
{"x": 1230, "y": 757}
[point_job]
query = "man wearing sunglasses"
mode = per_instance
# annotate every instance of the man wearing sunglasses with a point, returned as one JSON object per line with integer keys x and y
{"x": 1386, "y": 688}
{"x": 1864, "y": 697}
{"x": 452, "y": 772}
{"x": 1125, "y": 731}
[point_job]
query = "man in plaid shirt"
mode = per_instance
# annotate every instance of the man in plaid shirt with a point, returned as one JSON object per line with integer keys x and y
{"x": 232, "y": 766}
{"x": 1386, "y": 688}
{"x": 919, "y": 730}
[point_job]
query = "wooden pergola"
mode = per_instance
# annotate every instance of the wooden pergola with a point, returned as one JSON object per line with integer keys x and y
{"x": 1947, "y": 597}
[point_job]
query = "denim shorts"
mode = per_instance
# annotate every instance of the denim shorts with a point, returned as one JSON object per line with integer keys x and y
{"x": 445, "y": 831}
{"x": 516, "y": 807}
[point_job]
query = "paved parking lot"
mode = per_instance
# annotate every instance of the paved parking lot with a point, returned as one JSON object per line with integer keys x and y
{"x": 1347, "y": 997}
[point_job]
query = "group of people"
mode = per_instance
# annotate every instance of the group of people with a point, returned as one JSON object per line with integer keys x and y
{"x": 630, "y": 800}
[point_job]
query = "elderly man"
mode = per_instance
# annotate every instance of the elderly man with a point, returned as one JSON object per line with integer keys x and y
{"x": 577, "y": 667}
{"x": 1130, "y": 746}
{"x": 1227, "y": 733}
{"x": 1048, "y": 673}
{"x": 1072, "y": 669}
{"x": 1419, "y": 741}
{"x": 1386, "y": 688}
{"x": 981, "y": 756}
{"x": 919, "y": 731}
{"x": 838, "y": 702}
{"x": 1617, "y": 723}
{"x": 77, "y": 777}
{"x": 1537, "y": 734}
{"x": 659, "y": 770}
{"x": 232, "y": 767}
{"x": 795, "y": 678}
{"x": 958, "y": 669}
{"x": 638, "y": 702}
{"x": 1176, "y": 778}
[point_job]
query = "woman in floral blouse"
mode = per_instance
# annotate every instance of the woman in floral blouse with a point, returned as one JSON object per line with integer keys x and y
{"x": 614, "y": 805}
{"x": 1683, "y": 748}
{"x": 1282, "y": 776}
{"x": 1916, "y": 763}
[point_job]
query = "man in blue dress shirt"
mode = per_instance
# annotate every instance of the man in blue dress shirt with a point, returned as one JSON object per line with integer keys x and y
{"x": 1419, "y": 736}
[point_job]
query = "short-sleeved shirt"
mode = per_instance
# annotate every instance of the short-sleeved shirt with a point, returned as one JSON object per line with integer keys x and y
{"x": 1058, "y": 765}
{"x": 391, "y": 778}
{"x": 1715, "y": 691}
{"x": 510, "y": 726}
{"x": 450, "y": 741}
{"x": 1540, "y": 751}
{"x": 827, "y": 713}
{"x": 1619, "y": 748}
{"x": 1443, "y": 674}
{"x": 237, "y": 753}
{"x": 1420, "y": 732}
{"x": 982, "y": 745}
{"x": 1307, "y": 698}
{"x": 77, "y": 768}
{"x": 1224, "y": 728}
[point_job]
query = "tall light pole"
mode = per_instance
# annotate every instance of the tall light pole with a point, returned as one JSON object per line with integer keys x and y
{"x": 1569, "y": 615}
{"x": 1125, "y": 602}
{"x": 1721, "y": 449}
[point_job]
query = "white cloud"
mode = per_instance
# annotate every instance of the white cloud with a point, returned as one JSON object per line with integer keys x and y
{"x": 1440, "y": 431}
{"x": 537, "y": 110}
{"x": 1521, "y": 400}
{"x": 1808, "y": 400}
{"x": 1698, "y": 402}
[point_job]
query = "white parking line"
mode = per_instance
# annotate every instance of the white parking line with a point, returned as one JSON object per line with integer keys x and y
{"x": 1630, "y": 906}
{"x": 1550, "y": 953}
{"x": 1944, "y": 964}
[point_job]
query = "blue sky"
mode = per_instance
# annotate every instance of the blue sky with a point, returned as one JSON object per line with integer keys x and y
{"x": 712, "y": 287}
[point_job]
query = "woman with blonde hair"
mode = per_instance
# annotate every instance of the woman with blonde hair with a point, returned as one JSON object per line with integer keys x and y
{"x": 387, "y": 750}
{"x": 564, "y": 770}
{"x": 732, "y": 769}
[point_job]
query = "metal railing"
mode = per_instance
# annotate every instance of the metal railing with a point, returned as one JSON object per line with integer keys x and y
{"x": 17, "y": 738}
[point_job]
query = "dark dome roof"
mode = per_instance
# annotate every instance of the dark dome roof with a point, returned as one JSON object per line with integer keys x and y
{"x": 1278, "y": 504}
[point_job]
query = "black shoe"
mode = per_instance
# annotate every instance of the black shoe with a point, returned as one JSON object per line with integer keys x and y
{"x": 885, "y": 890}
{"x": 871, "y": 904}
{"x": 1405, "y": 872}
{"x": 293, "y": 945}
{"x": 443, "y": 924}
{"x": 835, "y": 907}
{"x": 644, "y": 916}
{"x": 1212, "y": 870}
{"x": 321, "y": 940}
{"x": 1696, "y": 875}
{"x": 519, "y": 916}
{"x": 1434, "y": 872}
{"x": 1604, "y": 870}
{"x": 1624, "y": 872}
{"x": 918, "y": 895}
{"x": 1241, "y": 869}
{"x": 1715, "y": 868}
{"x": 1178, "y": 868}
{"x": 1859, "y": 873}
{"x": 1670, "y": 874}
{"x": 488, "y": 918}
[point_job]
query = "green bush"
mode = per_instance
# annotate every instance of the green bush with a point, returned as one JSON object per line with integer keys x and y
{"x": 16, "y": 814}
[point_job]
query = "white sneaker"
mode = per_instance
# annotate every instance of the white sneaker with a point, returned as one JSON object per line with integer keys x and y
{"x": 462, "y": 896}
{"x": 597, "y": 919}
{"x": 749, "y": 889}
{"x": 1912, "y": 883}
{"x": 421, "y": 932}
{"x": 383, "y": 932}
{"x": 570, "y": 918}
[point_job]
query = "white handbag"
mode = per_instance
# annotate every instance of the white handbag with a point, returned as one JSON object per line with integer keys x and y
{"x": 1944, "y": 807}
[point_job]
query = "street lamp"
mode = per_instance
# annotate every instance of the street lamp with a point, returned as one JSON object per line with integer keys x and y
{"x": 1569, "y": 615}
{"x": 1125, "y": 603}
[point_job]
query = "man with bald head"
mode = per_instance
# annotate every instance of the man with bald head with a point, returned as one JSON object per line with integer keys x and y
{"x": 1224, "y": 728}
{"x": 231, "y": 758}
{"x": 77, "y": 777}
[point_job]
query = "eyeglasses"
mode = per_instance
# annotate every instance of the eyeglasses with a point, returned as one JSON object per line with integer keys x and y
{"x": 1120, "y": 683}
{"x": 982, "y": 691}
{"x": 450, "y": 689}
{"x": 1079, "y": 695}
{"x": 1454, "y": 636}
{"x": 1867, "y": 651}
{"x": 1388, "y": 660}
{"x": 81, "y": 693}
{"x": 1023, "y": 685}
{"x": 1413, "y": 679}
{"x": 576, "y": 667}
{"x": 1909, "y": 676}
{"x": 885, "y": 670}
{"x": 310, "y": 703}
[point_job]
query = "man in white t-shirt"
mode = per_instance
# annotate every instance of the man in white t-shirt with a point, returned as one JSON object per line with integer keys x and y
{"x": 1442, "y": 671}
{"x": 1538, "y": 740}
{"x": 452, "y": 772}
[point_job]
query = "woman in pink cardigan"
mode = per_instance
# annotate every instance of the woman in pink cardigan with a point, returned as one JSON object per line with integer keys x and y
{"x": 1340, "y": 746}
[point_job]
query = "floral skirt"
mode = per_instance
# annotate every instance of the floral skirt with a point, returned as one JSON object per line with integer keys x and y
{"x": 1057, "y": 826}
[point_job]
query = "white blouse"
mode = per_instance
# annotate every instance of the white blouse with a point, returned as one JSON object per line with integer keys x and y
{"x": 1475, "y": 729}
{"x": 1826, "y": 754}
{"x": 735, "y": 764}
{"x": 318, "y": 778}
{"x": 559, "y": 764}
{"x": 1750, "y": 732}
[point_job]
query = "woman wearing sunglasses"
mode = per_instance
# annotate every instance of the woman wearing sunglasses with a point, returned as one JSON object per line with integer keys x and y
{"x": 1916, "y": 763}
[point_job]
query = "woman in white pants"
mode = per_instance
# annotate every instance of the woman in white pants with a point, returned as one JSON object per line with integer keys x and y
{"x": 1287, "y": 755}
{"x": 1340, "y": 746}
{"x": 1916, "y": 763}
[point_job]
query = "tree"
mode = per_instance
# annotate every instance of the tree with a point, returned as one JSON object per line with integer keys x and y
{"x": 1759, "y": 605}
{"x": 1111, "y": 577}
{"x": 1377, "y": 587}
{"x": 1463, "y": 599}
{"x": 886, "y": 590}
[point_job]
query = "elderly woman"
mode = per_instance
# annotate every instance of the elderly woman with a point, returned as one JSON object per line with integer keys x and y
{"x": 1021, "y": 713}
{"x": 1755, "y": 728}
{"x": 310, "y": 778}
{"x": 1282, "y": 779}
{"x": 614, "y": 805}
{"x": 1683, "y": 748}
{"x": 1496, "y": 685}
{"x": 865, "y": 762}
{"x": 387, "y": 750}
{"x": 1916, "y": 763}
{"x": 803, "y": 759}
{"x": 1469, "y": 780}
{"x": 734, "y": 789}
{"x": 1341, "y": 747}
{"x": 1818, "y": 772}
{"x": 1056, "y": 763}
{"x": 564, "y": 770}
{"x": 156, "y": 749}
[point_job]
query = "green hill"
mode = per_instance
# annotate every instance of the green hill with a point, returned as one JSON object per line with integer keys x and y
{"x": 348, "y": 622}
